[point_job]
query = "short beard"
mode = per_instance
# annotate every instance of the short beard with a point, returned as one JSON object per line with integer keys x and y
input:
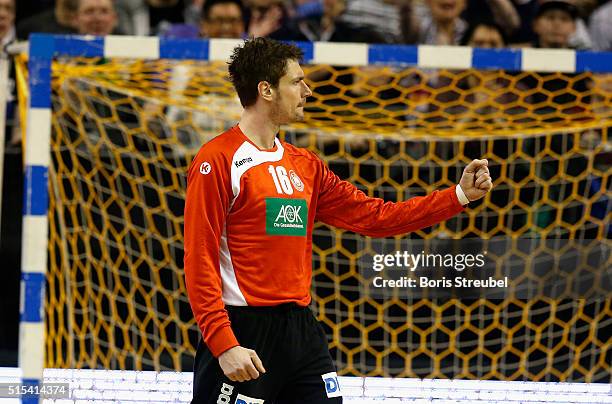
{"x": 299, "y": 118}
{"x": 275, "y": 114}
{"x": 279, "y": 117}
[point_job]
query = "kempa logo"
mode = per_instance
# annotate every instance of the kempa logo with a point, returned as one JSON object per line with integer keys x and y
{"x": 286, "y": 216}
{"x": 205, "y": 167}
{"x": 243, "y": 161}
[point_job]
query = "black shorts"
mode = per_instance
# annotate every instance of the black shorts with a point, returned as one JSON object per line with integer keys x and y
{"x": 293, "y": 348}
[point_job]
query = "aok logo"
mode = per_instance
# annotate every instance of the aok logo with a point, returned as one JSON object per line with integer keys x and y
{"x": 286, "y": 217}
{"x": 243, "y": 161}
{"x": 332, "y": 387}
{"x": 289, "y": 214}
{"x": 226, "y": 394}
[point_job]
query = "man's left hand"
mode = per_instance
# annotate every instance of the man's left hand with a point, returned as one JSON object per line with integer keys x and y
{"x": 476, "y": 180}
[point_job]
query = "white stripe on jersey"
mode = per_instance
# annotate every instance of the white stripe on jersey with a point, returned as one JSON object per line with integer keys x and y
{"x": 232, "y": 295}
{"x": 246, "y": 156}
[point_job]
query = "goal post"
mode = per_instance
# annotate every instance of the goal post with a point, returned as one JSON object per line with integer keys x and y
{"x": 128, "y": 113}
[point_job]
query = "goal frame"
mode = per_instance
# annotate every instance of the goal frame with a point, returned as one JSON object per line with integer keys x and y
{"x": 43, "y": 48}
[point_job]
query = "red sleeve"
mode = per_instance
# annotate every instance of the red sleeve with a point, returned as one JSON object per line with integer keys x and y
{"x": 341, "y": 204}
{"x": 206, "y": 208}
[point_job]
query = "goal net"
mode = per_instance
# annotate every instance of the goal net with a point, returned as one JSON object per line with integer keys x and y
{"x": 124, "y": 131}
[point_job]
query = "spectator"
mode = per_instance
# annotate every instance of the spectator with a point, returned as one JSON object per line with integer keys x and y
{"x": 528, "y": 11}
{"x": 229, "y": 19}
{"x": 7, "y": 23}
{"x": 149, "y": 17}
{"x": 223, "y": 19}
{"x": 266, "y": 16}
{"x": 59, "y": 20}
{"x": 96, "y": 17}
{"x": 441, "y": 23}
{"x": 327, "y": 27}
{"x": 132, "y": 17}
{"x": 554, "y": 24}
{"x": 600, "y": 27}
{"x": 381, "y": 16}
{"x": 484, "y": 34}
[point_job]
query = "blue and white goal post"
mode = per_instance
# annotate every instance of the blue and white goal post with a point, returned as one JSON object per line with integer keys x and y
{"x": 44, "y": 48}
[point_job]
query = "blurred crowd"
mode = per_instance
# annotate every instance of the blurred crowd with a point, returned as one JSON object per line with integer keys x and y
{"x": 572, "y": 24}
{"x": 579, "y": 24}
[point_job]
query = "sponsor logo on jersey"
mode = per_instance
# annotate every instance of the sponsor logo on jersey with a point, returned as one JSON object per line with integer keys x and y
{"x": 205, "y": 168}
{"x": 243, "y": 161}
{"x": 289, "y": 214}
{"x": 332, "y": 387}
{"x": 248, "y": 400}
{"x": 226, "y": 394}
{"x": 286, "y": 217}
{"x": 296, "y": 181}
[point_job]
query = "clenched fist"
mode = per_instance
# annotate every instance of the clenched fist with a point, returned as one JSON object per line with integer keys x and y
{"x": 241, "y": 364}
{"x": 476, "y": 180}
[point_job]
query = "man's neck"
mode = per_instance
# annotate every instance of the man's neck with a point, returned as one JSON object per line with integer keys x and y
{"x": 259, "y": 129}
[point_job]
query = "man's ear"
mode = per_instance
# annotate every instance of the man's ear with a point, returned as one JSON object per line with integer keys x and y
{"x": 265, "y": 90}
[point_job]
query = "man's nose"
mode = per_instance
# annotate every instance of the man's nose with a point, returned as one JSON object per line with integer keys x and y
{"x": 307, "y": 92}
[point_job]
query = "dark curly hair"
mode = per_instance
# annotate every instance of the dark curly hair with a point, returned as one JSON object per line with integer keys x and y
{"x": 259, "y": 59}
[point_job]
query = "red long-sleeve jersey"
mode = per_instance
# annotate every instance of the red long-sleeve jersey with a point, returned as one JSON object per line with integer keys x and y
{"x": 249, "y": 215}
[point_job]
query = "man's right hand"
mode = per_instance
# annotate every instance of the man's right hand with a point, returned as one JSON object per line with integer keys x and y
{"x": 241, "y": 364}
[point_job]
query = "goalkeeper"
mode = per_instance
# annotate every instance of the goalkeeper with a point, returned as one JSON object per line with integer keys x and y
{"x": 251, "y": 204}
